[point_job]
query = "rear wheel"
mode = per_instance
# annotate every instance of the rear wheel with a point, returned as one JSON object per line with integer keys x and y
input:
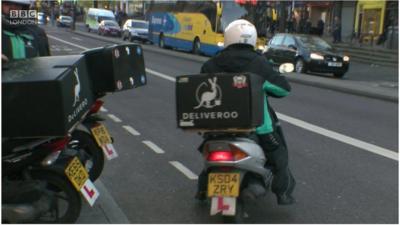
{"x": 94, "y": 155}
{"x": 238, "y": 218}
{"x": 300, "y": 66}
{"x": 161, "y": 42}
{"x": 338, "y": 75}
{"x": 196, "y": 46}
{"x": 66, "y": 201}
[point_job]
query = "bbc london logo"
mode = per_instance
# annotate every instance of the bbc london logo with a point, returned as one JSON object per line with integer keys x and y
{"x": 23, "y": 17}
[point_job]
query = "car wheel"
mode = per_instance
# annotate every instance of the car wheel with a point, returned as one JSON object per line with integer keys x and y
{"x": 300, "y": 66}
{"x": 196, "y": 46}
{"x": 338, "y": 75}
{"x": 161, "y": 42}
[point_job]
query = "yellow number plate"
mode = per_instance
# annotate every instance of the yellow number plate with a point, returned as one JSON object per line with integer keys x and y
{"x": 101, "y": 135}
{"x": 223, "y": 184}
{"x": 76, "y": 173}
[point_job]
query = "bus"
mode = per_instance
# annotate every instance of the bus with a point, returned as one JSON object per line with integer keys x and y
{"x": 198, "y": 26}
{"x": 95, "y": 16}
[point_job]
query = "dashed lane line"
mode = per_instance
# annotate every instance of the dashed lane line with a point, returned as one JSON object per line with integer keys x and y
{"x": 183, "y": 169}
{"x": 153, "y": 147}
{"x": 308, "y": 126}
{"x": 131, "y": 130}
{"x": 114, "y": 118}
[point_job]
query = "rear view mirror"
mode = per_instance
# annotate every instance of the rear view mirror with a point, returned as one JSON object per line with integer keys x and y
{"x": 286, "y": 68}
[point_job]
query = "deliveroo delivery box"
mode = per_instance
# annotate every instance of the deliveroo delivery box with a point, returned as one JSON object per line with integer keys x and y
{"x": 45, "y": 96}
{"x": 219, "y": 101}
{"x": 116, "y": 67}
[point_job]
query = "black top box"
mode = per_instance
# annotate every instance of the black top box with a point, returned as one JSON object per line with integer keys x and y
{"x": 45, "y": 96}
{"x": 116, "y": 67}
{"x": 219, "y": 101}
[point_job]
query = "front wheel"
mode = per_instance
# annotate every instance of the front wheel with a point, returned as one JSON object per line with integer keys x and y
{"x": 238, "y": 218}
{"x": 300, "y": 66}
{"x": 66, "y": 201}
{"x": 94, "y": 155}
{"x": 338, "y": 75}
{"x": 196, "y": 46}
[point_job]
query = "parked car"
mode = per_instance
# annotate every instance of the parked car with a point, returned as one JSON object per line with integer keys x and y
{"x": 41, "y": 17}
{"x": 135, "y": 30}
{"x": 307, "y": 53}
{"x": 109, "y": 27}
{"x": 64, "y": 21}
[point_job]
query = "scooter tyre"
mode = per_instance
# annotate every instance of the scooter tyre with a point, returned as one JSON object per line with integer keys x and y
{"x": 95, "y": 153}
{"x": 58, "y": 184}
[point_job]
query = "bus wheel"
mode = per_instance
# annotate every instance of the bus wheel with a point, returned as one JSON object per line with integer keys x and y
{"x": 196, "y": 46}
{"x": 161, "y": 42}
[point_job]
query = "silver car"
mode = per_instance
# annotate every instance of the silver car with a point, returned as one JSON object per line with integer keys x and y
{"x": 135, "y": 30}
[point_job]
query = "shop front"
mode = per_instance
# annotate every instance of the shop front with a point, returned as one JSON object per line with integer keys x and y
{"x": 369, "y": 21}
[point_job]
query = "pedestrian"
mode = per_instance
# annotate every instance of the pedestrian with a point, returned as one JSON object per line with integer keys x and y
{"x": 307, "y": 26}
{"x": 337, "y": 30}
{"x": 320, "y": 27}
{"x": 239, "y": 56}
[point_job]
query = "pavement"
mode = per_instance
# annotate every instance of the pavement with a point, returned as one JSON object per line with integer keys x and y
{"x": 334, "y": 140}
{"x": 366, "y": 80}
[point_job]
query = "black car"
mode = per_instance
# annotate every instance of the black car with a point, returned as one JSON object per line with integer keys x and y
{"x": 307, "y": 53}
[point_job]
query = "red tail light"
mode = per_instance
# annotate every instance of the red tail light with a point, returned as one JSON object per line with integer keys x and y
{"x": 96, "y": 106}
{"x": 232, "y": 154}
{"x": 57, "y": 144}
{"x": 220, "y": 156}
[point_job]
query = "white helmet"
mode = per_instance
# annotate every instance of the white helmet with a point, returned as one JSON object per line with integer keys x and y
{"x": 240, "y": 32}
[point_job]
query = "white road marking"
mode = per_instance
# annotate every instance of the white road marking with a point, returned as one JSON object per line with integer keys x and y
{"x": 313, "y": 128}
{"x": 67, "y": 42}
{"x": 113, "y": 117}
{"x": 340, "y": 137}
{"x": 153, "y": 147}
{"x": 131, "y": 130}
{"x": 75, "y": 38}
{"x": 103, "y": 109}
{"x": 179, "y": 166}
{"x": 160, "y": 75}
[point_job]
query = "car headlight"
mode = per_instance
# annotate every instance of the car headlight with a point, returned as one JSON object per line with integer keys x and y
{"x": 316, "y": 56}
{"x": 261, "y": 47}
{"x": 220, "y": 44}
{"x": 346, "y": 58}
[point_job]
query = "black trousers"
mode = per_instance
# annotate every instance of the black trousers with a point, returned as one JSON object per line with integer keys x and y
{"x": 276, "y": 152}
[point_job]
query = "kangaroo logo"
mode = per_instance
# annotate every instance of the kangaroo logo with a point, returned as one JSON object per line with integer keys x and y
{"x": 77, "y": 88}
{"x": 208, "y": 99}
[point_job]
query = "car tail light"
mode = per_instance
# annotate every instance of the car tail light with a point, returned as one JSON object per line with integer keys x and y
{"x": 231, "y": 154}
{"x": 96, "y": 106}
{"x": 57, "y": 144}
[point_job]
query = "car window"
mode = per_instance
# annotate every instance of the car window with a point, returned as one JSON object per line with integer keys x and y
{"x": 314, "y": 42}
{"x": 111, "y": 24}
{"x": 140, "y": 25}
{"x": 289, "y": 40}
{"x": 277, "y": 40}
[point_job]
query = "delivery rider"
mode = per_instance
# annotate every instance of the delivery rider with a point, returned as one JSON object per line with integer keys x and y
{"x": 21, "y": 37}
{"x": 239, "y": 56}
